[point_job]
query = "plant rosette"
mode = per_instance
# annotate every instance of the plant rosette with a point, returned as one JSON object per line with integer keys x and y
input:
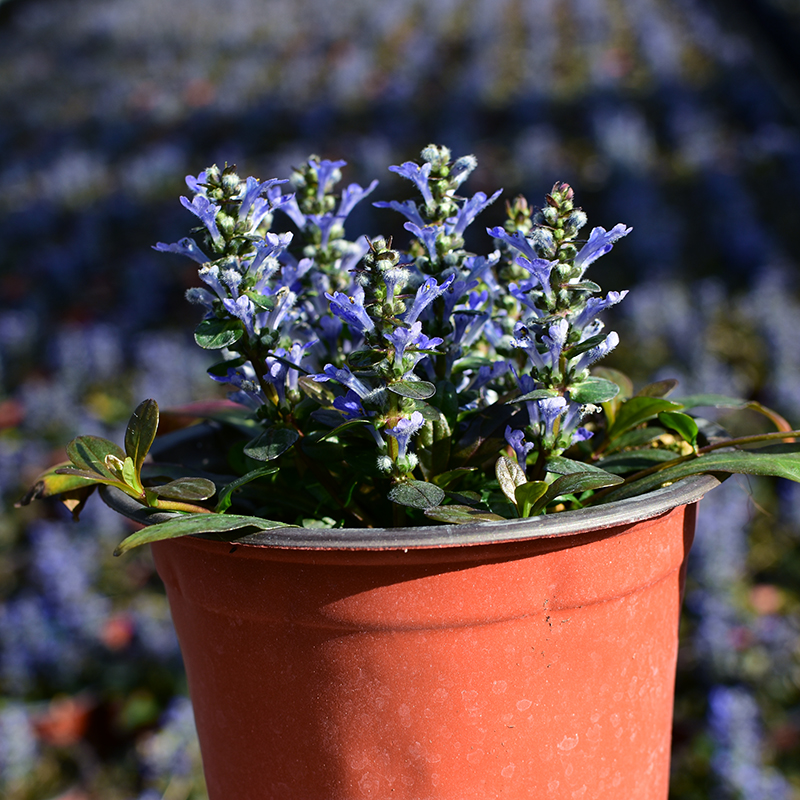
{"x": 452, "y": 543}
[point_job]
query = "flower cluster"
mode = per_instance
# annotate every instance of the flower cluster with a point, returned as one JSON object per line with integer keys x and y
{"x": 386, "y": 386}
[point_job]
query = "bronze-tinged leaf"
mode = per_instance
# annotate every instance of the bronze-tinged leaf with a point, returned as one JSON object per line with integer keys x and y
{"x": 509, "y": 475}
{"x": 53, "y": 482}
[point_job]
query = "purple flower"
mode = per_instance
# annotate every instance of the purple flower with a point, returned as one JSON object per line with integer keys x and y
{"x": 345, "y": 377}
{"x": 419, "y": 175}
{"x": 585, "y": 360}
{"x": 428, "y": 235}
{"x": 403, "y": 338}
{"x": 207, "y": 212}
{"x": 404, "y": 430}
{"x": 555, "y": 341}
{"x": 350, "y": 405}
{"x": 351, "y": 196}
{"x": 540, "y": 268}
{"x": 426, "y": 294}
{"x": 408, "y": 208}
{"x": 327, "y": 173}
{"x": 184, "y": 247}
{"x": 516, "y": 438}
{"x": 515, "y": 240}
{"x": 466, "y": 214}
{"x": 595, "y": 306}
{"x": 350, "y": 308}
{"x": 600, "y": 242}
{"x": 242, "y": 308}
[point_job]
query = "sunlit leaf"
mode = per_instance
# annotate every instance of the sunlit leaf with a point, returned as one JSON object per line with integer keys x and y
{"x": 461, "y": 515}
{"x": 214, "y": 334}
{"x": 141, "y": 432}
{"x": 637, "y": 410}
{"x": 195, "y": 523}
{"x": 527, "y": 494}
{"x": 417, "y": 494}
{"x": 89, "y": 453}
{"x": 185, "y": 489}
{"x": 594, "y": 390}
{"x": 576, "y": 482}
{"x": 682, "y": 424}
{"x": 416, "y": 390}
{"x": 509, "y": 475}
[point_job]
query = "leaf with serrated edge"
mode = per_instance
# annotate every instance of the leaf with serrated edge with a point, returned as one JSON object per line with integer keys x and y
{"x": 189, "y": 524}
{"x": 509, "y": 476}
{"x": 417, "y": 494}
{"x": 141, "y": 432}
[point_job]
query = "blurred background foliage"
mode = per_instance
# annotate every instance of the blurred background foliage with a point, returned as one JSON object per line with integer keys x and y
{"x": 678, "y": 117}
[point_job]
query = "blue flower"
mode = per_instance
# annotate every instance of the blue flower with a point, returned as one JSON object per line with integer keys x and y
{"x": 419, "y": 175}
{"x": 351, "y": 196}
{"x": 207, "y": 212}
{"x": 540, "y": 268}
{"x": 516, "y": 438}
{"x": 595, "y": 306}
{"x": 242, "y": 308}
{"x": 585, "y": 360}
{"x": 403, "y": 338}
{"x": 600, "y": 242}
{"x": 426, "y": 294}
{"x": 408, "y": 208}
{"x": 350, "y": 405}
{"x": 515, "y": 240}
{"x": 350, "y": 308}
{"x": 344, "y": 376}
{"x": 466, "y": 214}
{"x": 327, "y": 173}
{"x": 404, "y": 430}
{"x": 184, "y": 247}
{"x": 428, "y": 234}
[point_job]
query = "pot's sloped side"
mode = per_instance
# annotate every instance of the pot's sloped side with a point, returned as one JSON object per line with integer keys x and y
{"x": 532, "y": 671}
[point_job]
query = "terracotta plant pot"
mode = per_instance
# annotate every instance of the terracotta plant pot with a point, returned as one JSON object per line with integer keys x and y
{"x": 528, "y": 659}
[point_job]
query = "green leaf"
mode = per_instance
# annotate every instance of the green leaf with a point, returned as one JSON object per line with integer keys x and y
{"x": 461, "y": 515}
{"x": 130, "y": 474}
{"x": 446, "y": 478}
{"x": 636, "y": 460}
{"x": 226, "y": 493}
{"x": 271, "y": 444}
{"x": 262, "y": 302}
{"x": 509, "y": 475}
{"x": 53, "y": 482}
{"x": 214, "y": 334}
{"x": 536, "y": 394}
{"x": 658, "y": 388}
{"x": 89, "y": 453}
{"x": 141, "y": 433}
{"x": 585, "y": 345}
{"x": 220, "y": 369}
{"x": 576, "y": 482}
{"x": 559, "y": 465}
{"x": 318, "y": 392}
{"x": 195, "y": 523}
{"x": 637, "y": 437}
{"x": 637, "y": 410}
{"x": 779, "y": 461}
{"x": 417, "y": 494}
{"x": 526, "y": 495}
{"x": 615, "y": 376}
{"x": 365, "y": 359}
{"x": 710, "y": 401}
{"x": 682, "y": 424}
{"x": 594, "y": 390}
{"x": 185, "y": 489}
{"x": 416, "y": 390}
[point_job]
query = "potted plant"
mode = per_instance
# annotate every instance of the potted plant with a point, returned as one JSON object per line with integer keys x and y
{"x": 429, "y": 548}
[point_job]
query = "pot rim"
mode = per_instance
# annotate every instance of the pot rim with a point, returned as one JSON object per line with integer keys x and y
{"x": 566, "y": 523}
